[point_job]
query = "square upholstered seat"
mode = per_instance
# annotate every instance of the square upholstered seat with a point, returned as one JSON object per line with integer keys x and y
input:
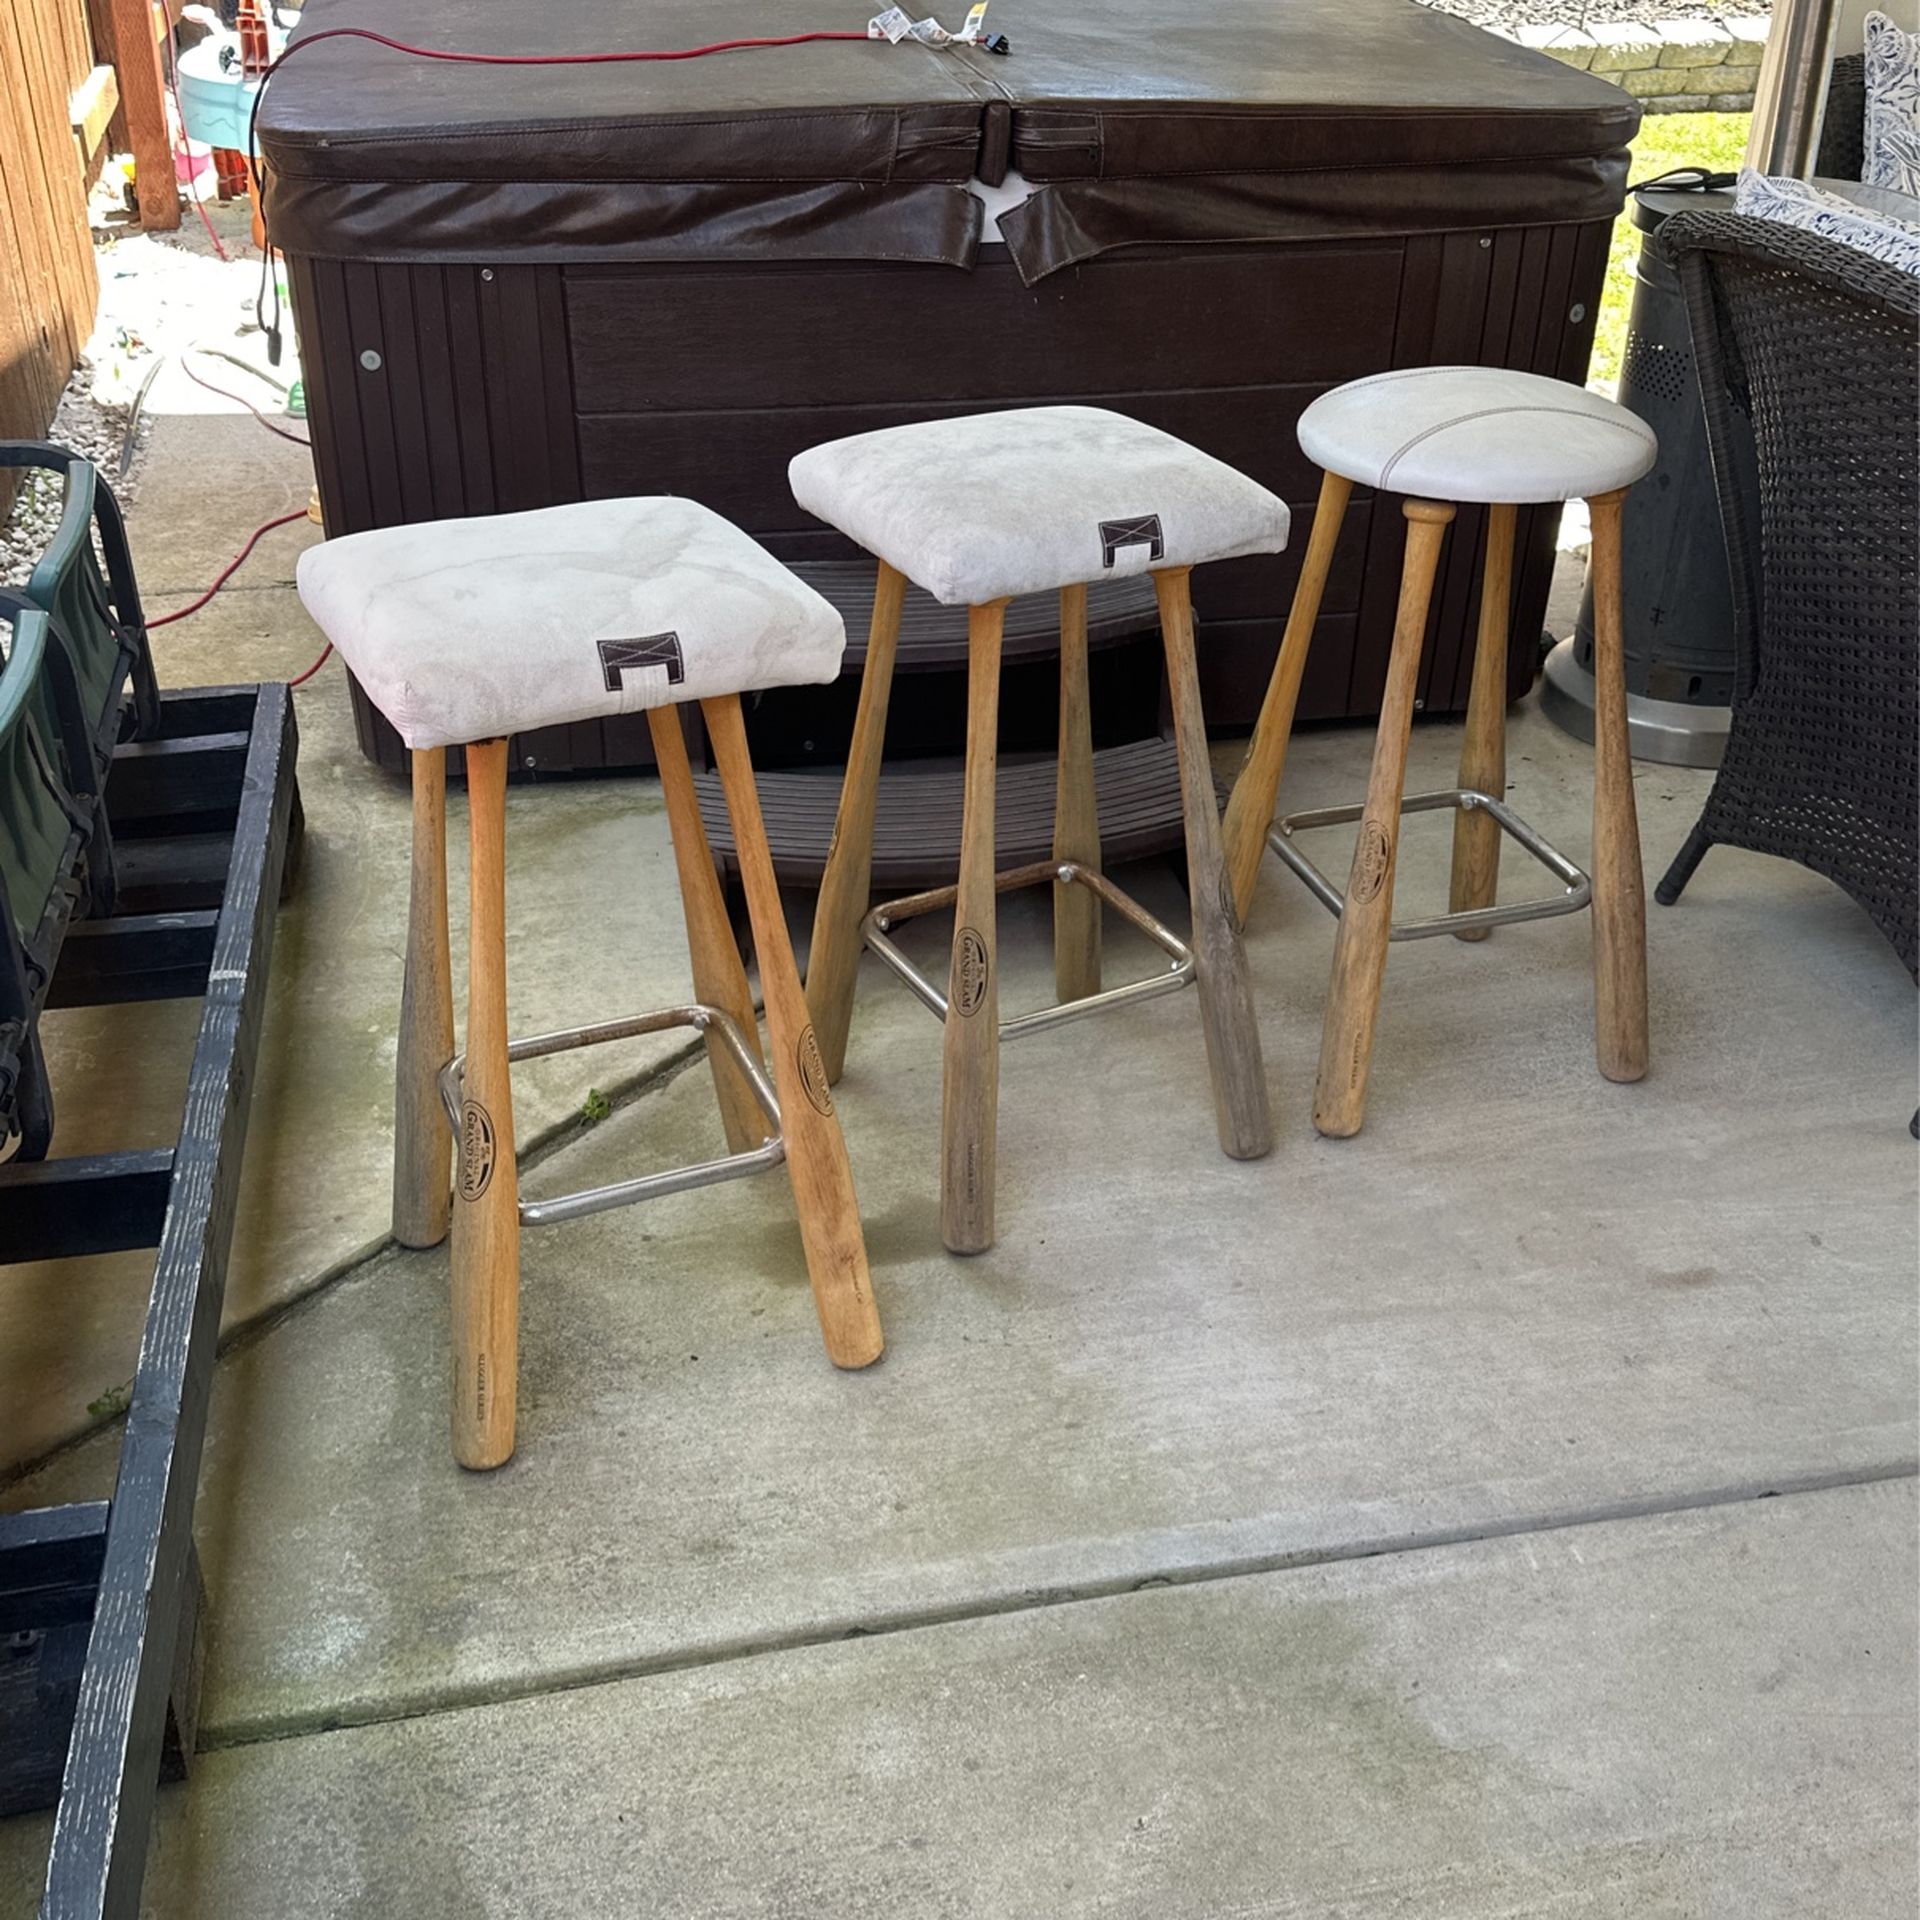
{"x": 465, "y": 630}
{"x": 996, "y": 504}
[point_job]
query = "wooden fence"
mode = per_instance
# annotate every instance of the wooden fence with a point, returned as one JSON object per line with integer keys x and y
{"x": 49, "y": 291}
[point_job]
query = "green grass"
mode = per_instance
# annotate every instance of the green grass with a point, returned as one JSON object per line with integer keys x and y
{"x": 1666, "y": 140}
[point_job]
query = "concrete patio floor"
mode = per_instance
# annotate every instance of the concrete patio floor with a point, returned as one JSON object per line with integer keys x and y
{"x": 1380, "y": 1529}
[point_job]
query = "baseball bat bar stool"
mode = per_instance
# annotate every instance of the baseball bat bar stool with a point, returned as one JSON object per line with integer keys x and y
{"x": 465, "y": 631}
{"x": 976, "y": 511}
{"x": 1440, "y": 436}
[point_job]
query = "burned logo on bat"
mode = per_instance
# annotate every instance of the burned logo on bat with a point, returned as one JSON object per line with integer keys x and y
{"x": 970, "y": 969}
{"x": 476, "y": 1150}
{"x": 1371, "y": 859}
{"x": 813, "y": 1071}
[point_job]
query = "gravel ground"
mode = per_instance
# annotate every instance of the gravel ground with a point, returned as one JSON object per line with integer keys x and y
{"x": 89, "y": 428}
{"x": 1509, "y": 14}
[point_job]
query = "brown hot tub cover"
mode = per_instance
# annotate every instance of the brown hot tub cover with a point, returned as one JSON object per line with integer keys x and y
{"x": 1138, "y": 123}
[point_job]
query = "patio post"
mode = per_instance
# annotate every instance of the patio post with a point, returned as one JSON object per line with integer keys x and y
{"x": 1790, "y": 97}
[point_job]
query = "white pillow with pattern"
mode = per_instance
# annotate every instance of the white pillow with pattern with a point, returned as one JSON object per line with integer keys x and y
{"x": 1797, "y": 204}
{"x": 1893, "y": 107}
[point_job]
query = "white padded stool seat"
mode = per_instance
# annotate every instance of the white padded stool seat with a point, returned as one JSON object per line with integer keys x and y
{"x": 1476, "y": 434}
{"x": 996, "y": 504}
{"x": 465, "y": 630}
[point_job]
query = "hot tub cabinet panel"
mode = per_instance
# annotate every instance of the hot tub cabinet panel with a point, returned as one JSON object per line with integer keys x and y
{"x": 532, "y": 307}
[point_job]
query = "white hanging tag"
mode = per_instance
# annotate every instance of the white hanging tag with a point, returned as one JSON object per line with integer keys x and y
{"x": 894, "y": 26}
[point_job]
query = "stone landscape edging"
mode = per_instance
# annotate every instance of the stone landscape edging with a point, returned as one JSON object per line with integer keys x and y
{"x": 1677, "y": 66}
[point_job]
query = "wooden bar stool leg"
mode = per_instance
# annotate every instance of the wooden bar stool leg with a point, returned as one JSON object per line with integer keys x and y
{"x": 1366, "y": 921}
{"x": 1619, "y": 889}
{"x": 1220, "y": 957}
{"x": 1076, "y": 812}
{"x": 1483, "y": 753}
{"x": 719, "y": 977}
{"x": 816, "y": 1151}
{"x": 1250, "y": 807}
{"x": 833, "y": 957}
{"x": 970, "y": 1086}
{"x": 422, "y": 1143}
{"x": 486, "y": 1213}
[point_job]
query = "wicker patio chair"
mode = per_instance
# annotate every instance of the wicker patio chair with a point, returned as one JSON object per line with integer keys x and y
{"x": 1819, "y": 345}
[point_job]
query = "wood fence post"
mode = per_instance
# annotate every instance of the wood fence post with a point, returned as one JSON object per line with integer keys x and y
{"x": 136, "y": 57}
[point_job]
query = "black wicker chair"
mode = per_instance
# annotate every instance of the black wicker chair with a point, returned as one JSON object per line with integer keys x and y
{"x": 1819, "y": 345}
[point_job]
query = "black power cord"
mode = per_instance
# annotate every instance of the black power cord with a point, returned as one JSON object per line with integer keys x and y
{"x": 1686, "y": 180}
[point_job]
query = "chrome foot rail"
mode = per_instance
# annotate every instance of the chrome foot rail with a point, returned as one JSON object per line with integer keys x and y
{"x": 710, "y": 1021}
{"x": 875, "y": 928}
{"x": 1578, "y": 889}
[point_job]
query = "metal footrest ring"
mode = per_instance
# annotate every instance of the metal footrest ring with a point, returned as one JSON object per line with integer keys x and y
{"x": 876, "y": 926}
{"x": 710, "y": 1021}
{"x": 1578, "y": 889}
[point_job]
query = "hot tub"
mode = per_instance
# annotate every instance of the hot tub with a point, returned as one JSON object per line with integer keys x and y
{"x": 521, "y": 285}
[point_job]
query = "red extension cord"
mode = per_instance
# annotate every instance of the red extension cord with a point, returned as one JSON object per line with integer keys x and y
{"x": 512, "y": 60}
{"x": 550, "y": 59}
{"x": 232, "y": 567}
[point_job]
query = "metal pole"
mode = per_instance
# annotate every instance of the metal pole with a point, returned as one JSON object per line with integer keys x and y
{"x": 1790, "y": 97}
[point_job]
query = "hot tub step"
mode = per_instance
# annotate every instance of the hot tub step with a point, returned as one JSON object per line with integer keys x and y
{"x": 916, "y": 839}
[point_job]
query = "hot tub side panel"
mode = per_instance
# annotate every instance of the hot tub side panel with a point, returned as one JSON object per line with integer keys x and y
{"x": 439, "y": 390}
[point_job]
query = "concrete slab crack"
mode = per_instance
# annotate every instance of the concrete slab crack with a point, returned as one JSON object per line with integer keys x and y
{"x": 422, "y": 1705}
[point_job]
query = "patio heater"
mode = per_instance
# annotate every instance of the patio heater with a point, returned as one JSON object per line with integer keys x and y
{"x": 1678, "y": 603}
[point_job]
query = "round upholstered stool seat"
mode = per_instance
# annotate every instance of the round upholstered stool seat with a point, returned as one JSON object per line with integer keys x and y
{"x": 1476, "y": 435}
{"x": 1441, "y": 438}
{"x": 978, "y": 511}
{"x": 466, "y": 631}
{"x": 994, "y": 505}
